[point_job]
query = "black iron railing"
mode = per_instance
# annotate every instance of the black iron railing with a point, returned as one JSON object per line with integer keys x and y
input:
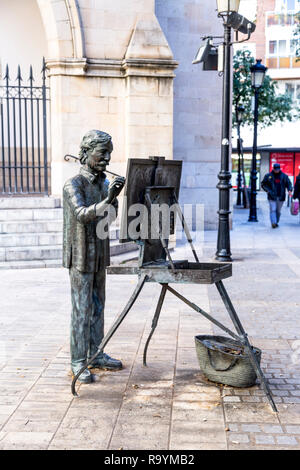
{"x": 23, "y": 129}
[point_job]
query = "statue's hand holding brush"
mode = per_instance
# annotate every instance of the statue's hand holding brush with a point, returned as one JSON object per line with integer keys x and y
{"x": 115, "y": 188}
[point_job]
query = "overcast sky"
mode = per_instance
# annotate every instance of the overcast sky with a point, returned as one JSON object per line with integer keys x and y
{"x": 248, "y": 9}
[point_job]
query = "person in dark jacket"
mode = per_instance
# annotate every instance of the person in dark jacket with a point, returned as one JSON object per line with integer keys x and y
{"x": 275, "y": 184}
{"x": 86, "y": 198}
{"x": 296, "y": 194}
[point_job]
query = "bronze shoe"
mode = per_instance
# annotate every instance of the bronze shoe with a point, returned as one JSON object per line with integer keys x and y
{"x": 104, "y": 361}
{"x": 86, "y": 377}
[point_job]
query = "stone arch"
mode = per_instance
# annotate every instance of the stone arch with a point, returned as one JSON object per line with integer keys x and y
{"x": 63, "y": 27}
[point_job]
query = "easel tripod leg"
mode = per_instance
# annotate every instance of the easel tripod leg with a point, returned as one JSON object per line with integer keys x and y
{"x": 239, "y": 328}
{"x": 112, "y": 330}
{"x": 155, "y": 319}
{"x": 186, "y": 229}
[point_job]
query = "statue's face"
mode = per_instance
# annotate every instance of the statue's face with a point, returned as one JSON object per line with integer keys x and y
{"x": 99, "y": 157}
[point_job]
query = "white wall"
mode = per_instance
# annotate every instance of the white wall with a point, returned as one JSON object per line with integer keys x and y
{"x": 22, "y": 37}
{"x": 248, "y": 9}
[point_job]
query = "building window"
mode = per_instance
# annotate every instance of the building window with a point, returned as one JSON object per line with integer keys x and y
{"x": 281, "y": 54}
{"x": 293, "y": 90}
{"x": 273, "y": 47}
{"x": 280, "y": 19}
{"x": 292, "y": 48}
{"x": 290, "y": 89}
{"x": 290, "y": 5}
{"x": 282, "y": 48}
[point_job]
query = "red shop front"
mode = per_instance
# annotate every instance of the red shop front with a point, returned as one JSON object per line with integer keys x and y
{"x": 289, "y": 163}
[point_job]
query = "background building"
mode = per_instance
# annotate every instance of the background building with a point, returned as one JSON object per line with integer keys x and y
{"x": 110, "y": 65}
{"x": 273, "y": 43}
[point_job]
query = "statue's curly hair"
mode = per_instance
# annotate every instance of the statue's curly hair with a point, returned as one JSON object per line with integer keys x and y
{"x": 90, "y": 140}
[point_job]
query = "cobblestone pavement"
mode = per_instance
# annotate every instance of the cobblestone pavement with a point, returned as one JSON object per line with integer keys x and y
{"x": 169, "y": 404}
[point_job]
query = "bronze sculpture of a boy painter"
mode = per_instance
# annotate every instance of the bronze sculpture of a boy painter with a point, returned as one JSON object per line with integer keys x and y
{"x": 86, "y": 198}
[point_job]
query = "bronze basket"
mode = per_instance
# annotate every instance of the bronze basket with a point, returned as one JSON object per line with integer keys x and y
{"x": 219, "y": 365}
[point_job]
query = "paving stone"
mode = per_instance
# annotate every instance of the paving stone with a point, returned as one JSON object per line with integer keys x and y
{"x": 39, "y": 415}
{"x": 250, "y": 413}
{"x": 233, "y": 427}
{"x": 96, "y": 436}
{"x": 241, "y": 392}
{"x": 26, "y": 425}
{"x": 280, "y": 393}
{"x": 80, "y": 444}
{"x": 287, "y": 440}
{"x": 272, "y": 429}
{"x": 3, "y": 419}
{"x": 198, "y": 431}
{"x": 56, "y": 397}
{"x": 293, "y": 429}
{"x": 291, "y": 400}
{"x": 183, "y": 445}
{"x": 25, "y": 440}
{"x": 289, "y": 414}
{"x": 264, "y": 439}
{"x": 252, "y": 399}
{"x": 237, "y": 438}
{"x": 231, "y": 399}
{"x": 141, "y": 435}
{"x": 137, "y": 443}
{"x": 250, "y": 428}
{"x": 206, "y": 396}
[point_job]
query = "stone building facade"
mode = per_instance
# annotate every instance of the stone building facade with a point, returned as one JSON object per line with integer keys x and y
{"x": 197, "y": 101}
{"x": 112, "y": 65}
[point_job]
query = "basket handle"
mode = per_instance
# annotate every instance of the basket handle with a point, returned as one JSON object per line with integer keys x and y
{"x": 233, "y": 363}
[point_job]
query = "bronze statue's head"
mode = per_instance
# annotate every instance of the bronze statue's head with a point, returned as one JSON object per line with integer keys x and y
{"x": 95, "y": 149}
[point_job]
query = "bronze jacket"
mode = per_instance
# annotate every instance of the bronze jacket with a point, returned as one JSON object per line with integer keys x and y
{"x": 81, "y": 246}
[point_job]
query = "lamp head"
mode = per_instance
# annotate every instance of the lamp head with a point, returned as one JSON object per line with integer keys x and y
{"x": 240, "y": 111}
{"x": 258, "y": 72}
{"x": 240, "y": 23}
{"x": 203, "y": 52}
{"x": 227, "y": 6}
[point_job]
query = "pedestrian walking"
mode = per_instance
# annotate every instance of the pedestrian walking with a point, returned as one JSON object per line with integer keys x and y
{"x": 275, "y": 184}
{"x": 296, "y": 194}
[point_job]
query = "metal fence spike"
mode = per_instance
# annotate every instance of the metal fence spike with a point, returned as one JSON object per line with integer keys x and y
{"x": 6, "y": 76}
{"x": 19, "y": 76}
{"x": 31, "y": 79}
{"x": 44, "y": 67}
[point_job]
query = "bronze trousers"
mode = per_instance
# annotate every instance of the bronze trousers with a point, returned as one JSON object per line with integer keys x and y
{"x": 87, "y": 320}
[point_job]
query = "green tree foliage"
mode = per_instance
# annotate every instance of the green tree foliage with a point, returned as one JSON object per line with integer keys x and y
{"x": 272, "y": 106}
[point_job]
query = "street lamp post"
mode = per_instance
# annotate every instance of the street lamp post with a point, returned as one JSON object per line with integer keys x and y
{"x": 258, "y": 72}
{"x": 225, "y": 7}
{"x": 228, "y": 11}
{"x": 239, "y": 113}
